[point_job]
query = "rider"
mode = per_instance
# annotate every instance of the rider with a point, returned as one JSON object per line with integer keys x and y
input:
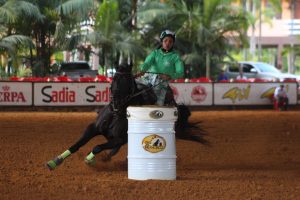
{"x": 162, "y": 65}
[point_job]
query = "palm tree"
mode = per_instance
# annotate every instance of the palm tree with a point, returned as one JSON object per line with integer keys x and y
{"x": 62, "y": 19}
{"x": 70, "y": 16}
{"x": 45, "y": 17}
{"x": 9, "y": 45}
{"x": 11, "y": 39}
{"x": 115, "y": 43}
{"x": 259, "y": 16}
{"x": 221, "y": 22}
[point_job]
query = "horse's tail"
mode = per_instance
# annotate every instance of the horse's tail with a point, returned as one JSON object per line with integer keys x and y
{"x": 192, "y": 132}
{"x": 186, "y": 130}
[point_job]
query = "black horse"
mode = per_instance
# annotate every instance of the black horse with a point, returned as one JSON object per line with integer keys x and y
{"x": 112, "y": 122}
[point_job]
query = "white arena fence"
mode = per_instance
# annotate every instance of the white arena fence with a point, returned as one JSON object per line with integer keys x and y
{"x": 98, "y": 94}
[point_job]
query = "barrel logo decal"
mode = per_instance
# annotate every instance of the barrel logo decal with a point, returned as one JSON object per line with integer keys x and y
{"x": 154, "y": 143}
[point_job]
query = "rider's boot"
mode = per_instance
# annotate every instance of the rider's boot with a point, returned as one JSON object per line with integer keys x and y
{"x": 52, "y": 164}
{"x": 90, "y": 159}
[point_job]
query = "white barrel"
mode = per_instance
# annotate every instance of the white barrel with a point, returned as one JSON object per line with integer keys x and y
{"x": 151, "y": 143}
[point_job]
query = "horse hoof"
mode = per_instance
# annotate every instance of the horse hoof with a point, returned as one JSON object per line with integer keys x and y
{"x": 90, "y": 162}
{"x": 52, "y": 164}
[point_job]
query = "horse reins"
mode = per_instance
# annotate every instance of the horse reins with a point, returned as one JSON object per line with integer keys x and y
{"x": 130, "y": 96}
{"x": 144, "y": 90}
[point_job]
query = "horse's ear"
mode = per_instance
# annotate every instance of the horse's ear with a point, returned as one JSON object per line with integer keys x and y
{"x": 129, "y": 66}
{"x": 124, "y": 67}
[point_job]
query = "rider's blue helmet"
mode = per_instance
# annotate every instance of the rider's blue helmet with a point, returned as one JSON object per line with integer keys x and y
{"x": 167, "y": 33}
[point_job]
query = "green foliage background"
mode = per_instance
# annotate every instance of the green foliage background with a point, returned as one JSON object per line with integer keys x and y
{"x": 209, "y": 32}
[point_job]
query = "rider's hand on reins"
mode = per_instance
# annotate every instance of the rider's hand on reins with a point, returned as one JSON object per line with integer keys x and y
{"x": 165, "y": 77}
{"x": 139, "y": 74}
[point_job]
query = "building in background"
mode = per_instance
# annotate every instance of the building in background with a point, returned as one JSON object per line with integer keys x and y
{"x": 282, "y": 32}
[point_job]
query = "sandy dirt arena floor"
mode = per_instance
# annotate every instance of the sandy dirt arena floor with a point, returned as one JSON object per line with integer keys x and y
{"x": 253, "y": 155}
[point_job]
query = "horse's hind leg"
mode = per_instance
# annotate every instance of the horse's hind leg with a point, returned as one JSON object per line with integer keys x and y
{"x": 88, "y": 134}
{"x": 114, "y": 144}
{"x": 113, "y": 152}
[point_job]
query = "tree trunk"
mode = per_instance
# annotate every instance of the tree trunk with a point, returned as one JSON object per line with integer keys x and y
{"x": 252, "y": 38}
{"x": 259, "y": 36}
{"x": 134, "y": 14}
{"x": 207, "y": 63}
{"x": 31, "y": 56}
{"x": 43, "y": 52}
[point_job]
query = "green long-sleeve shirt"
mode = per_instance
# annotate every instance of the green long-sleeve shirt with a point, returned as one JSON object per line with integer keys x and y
{"x": 164, "y": 62}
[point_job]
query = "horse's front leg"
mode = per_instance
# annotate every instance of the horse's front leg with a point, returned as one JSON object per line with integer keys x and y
{"x": 90, "y": 132}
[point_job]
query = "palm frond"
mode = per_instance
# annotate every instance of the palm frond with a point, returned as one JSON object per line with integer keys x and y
{"x": 12, "y": 43}
{"x": 106, "y": 19}
{"x": 7, "y": 14}
{"x": 12, "y": 10}
{"x": 153, "y": 10}
{"x": 17, "y": 40}
{"x": 81, "y": 7}
{"x": 192, "y": 58}
{"x": 72, "y": 42}
{"x": 130, "y": 47}
{"x": 6, "y": 47}
{"x": 30, "y": 10}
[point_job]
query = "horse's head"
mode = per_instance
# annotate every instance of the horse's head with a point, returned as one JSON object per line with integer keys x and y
{"x": 126, "y": 91}
{"x": 122, "y": 86}
{"x": 124, "y": 68}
